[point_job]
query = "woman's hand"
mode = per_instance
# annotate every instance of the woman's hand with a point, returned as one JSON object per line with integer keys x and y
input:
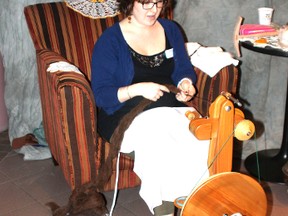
{"x": 150, "y": 90}
{"x": 187, "y": 91}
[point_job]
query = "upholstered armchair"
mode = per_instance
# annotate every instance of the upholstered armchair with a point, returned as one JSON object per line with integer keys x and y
{"x": 68, "y": 106}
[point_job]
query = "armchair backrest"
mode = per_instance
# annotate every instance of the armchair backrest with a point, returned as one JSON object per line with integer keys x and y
{"x": 209, "y": 88}
{"x": 58, "y": 28}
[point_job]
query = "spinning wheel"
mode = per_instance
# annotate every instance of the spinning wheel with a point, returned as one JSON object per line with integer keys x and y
{"x": 224, "y": 192}
{"x": 223, "y": 123}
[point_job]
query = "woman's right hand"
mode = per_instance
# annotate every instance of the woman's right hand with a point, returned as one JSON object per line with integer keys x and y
{"x": 150, "y": 90}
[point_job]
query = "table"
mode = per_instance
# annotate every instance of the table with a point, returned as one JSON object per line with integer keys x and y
{"x": 270, "y": 161}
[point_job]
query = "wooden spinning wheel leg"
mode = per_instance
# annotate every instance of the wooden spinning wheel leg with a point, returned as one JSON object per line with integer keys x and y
{"x": 221, "y": 144}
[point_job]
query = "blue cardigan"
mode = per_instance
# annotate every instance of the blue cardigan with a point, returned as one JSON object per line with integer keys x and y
{"x": 112, "y": 65}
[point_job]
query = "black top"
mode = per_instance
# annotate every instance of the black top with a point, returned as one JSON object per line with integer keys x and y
{"x": 156, "y": 68}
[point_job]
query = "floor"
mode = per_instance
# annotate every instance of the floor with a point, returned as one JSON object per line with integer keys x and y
{"x": 25, "y": 187}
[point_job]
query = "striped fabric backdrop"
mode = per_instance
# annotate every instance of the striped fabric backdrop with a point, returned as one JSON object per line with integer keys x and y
{"x": 68, "y": 106}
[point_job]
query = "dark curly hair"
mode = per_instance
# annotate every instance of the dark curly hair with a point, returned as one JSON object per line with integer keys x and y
{"x": 126, "y": 6}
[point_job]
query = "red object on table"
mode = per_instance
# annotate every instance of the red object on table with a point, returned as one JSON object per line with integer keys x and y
{"x": 248, "y": 29}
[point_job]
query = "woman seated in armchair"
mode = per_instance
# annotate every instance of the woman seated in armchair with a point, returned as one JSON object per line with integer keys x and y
{"x": 137, "y": 58}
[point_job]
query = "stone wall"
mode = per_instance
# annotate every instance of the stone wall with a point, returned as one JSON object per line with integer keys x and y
{"x": 263, "y": 80}
{"x": 21, "y": 81}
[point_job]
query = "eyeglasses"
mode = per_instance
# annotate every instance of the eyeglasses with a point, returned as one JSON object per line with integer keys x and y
{"x": 149, "y": 5}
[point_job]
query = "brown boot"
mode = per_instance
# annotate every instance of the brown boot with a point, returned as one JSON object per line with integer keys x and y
{"x": 28, "y": 139}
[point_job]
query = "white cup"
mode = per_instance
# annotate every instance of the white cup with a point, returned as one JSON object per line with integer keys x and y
{"x": 265, "y": 15}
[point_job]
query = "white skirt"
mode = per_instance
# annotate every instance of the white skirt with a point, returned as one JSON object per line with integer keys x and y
{"x": 169, "y": 160}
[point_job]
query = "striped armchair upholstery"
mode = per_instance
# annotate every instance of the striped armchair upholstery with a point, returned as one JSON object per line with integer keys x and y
{"x": 68, "y": 106}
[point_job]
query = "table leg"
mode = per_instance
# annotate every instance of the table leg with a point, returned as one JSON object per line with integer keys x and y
{"x": 270, "y": 161}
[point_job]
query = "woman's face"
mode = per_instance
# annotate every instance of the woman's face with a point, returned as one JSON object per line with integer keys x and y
{"x": 147, "y": 13}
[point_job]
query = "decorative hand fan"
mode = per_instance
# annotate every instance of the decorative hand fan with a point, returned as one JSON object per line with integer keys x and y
{"x": 94, "y": 8}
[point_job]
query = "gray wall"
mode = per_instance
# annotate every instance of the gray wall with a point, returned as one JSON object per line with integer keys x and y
{"x": 211, "y": 23}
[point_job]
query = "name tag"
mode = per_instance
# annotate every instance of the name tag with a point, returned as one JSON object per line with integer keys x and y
{"x": 169, "y": 53}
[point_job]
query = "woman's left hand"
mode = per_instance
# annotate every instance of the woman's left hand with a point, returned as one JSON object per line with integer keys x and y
{"x": 187, "y": 91}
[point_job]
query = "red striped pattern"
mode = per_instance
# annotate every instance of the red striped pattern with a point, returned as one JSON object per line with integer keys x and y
{"x": 209, "y": 88}
{"x": 69, "y": 114}
{"x": 56, "y": 27}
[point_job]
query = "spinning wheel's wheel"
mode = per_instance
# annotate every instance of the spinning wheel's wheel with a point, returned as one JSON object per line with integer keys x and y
{"x": 226, "y": 193}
